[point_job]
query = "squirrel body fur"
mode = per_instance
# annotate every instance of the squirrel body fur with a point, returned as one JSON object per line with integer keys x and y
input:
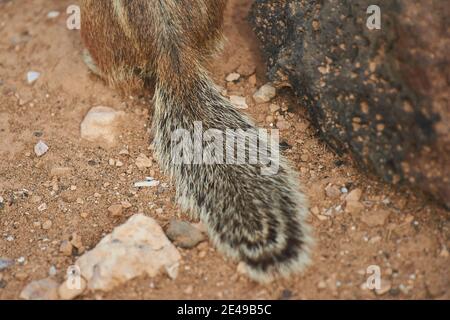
{"x": 258, "y": 219}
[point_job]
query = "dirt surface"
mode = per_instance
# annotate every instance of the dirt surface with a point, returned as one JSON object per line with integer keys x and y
{"x": 404, "y": 234}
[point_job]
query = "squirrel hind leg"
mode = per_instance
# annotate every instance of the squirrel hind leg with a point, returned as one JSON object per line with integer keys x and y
{"x": 126, "y": 79}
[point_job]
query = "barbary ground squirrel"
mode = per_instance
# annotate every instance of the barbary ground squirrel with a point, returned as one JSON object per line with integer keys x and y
{"x": 255, "y": 218}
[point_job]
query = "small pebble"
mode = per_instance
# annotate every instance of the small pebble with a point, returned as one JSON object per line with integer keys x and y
{"x": 332, "y": 191}
{"x": 40, "y": 149}
{"x": 274, "y": 108}
{"x": 42, "y": 207}
{"x": 233, "y": 77}
{"x": 84, "y": 215}
{"x": 265, "y": 94}
{"x": 66, "y": 248}
{"x": 146, "y": 184}
{"x": 53, "y": 14}
{"x": 184, "y": 234}
{"x": 142, "y": 162}
{"x": 239, "y": 102}
{"x": 115, "y": 210}
{"x": 47, "y": 225}
{"x": 32, "y": 76}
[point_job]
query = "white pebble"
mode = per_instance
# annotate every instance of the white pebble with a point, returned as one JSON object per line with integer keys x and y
{"x": 239, "y": 102}
{"x": 40, "y": 149}
{"x": 146, "y": 184}
{"x": 53, "y": 14}
{"x": 32, "y": 76}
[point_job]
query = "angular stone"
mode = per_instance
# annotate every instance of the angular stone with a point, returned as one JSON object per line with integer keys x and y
{"x": 138, "y": 247}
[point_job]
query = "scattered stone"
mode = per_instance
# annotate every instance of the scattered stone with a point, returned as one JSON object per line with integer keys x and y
{"x": 133, "y": 249}
{"x": 40, "y": 149}
{"x": 21, "y": 260}
{"x": 146, "y": 184}
{"x": 53, "y": 14}
{"x": 47, "y": 225}
{"x": 354, "y": 207}
{"x": 283, "y": 124}
{"x": 332, "y": 191}
{"x": 184, "y": 234}
{"x": 375, "y": 218}
{"x": 242, "y": 268}
{"x": 116, "y": 210}
{"x": 68, "y": 291}
{"x": 5, "y": 263}
{"x": 124, "y": 152}
{"x": 304, "y": 157}
{"x": 100, "y": 125}
{"x": 274, "y": 108}
{"x": 66, "y": 248}
{"x": 32, "y": 76}
{"x": 354, "y": 195}
{"x": 46, "y": 289}
{"x": 233, "y": 77}
{"x": 143, "y": 162}
{"x": 84, "y": 215}
{"x": 239, "y": 102}
{"x": 442, "y": 254}
{"x": 42, "y": 207}
{"x": 77, "y": 242}
{"x": 321, "y": 285}
{"x": 119, "y": 163}
{"x": 252, "y": 80}
{"x": 265, "y": 94}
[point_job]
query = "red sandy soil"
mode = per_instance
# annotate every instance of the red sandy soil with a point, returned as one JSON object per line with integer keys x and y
{"x": 410, "y": 246}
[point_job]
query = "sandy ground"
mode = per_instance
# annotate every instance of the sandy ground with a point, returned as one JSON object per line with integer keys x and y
{"x": 409, "y": 245}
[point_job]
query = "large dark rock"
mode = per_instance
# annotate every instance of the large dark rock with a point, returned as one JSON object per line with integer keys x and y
{"x": 382, "y": 95}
